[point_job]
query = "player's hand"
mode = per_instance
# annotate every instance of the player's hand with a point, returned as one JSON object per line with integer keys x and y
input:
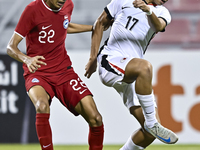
{"x": 141, "y": 5}
{"x": 91, "y": 67}
{"x": 33, "y": 63}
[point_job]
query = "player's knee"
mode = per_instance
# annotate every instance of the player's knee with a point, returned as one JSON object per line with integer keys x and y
{"x": 99, "y": 119}
{"x": 42, "y": 107}
{"x": 95, "y": 120}
{"x": 146, "y": 69}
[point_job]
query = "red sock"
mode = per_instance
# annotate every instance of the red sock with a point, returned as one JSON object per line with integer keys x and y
{"x": 95, "y": 138}
{"x": 44, "y": 131}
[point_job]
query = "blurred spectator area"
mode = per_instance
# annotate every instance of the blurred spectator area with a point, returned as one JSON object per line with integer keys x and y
{"x": 184, "y": 30}
{"x": 85, "y": 12}
{"x": 182, "y": 33}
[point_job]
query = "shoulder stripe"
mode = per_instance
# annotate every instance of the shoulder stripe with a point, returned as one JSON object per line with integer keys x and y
{"x": 108, "y": 13}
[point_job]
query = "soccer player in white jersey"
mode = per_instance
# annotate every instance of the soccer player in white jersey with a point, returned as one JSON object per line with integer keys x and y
{"x": 121, "y": 63}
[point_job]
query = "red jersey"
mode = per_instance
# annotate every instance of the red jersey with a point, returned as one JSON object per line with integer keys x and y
{"x": 45, "y": 32}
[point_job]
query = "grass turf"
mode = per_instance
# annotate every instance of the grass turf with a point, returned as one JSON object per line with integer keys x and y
{"x": 85, "y": 147}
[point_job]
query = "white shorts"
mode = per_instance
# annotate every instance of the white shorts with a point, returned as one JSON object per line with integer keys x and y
{"x": 111, "y": 71}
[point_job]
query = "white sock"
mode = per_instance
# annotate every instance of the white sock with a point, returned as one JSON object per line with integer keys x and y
{"x": 148, "y": 106}
{"x": 129, "y": 145}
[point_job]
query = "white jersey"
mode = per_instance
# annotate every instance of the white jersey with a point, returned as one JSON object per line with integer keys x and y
{"x": 130, "y": 32}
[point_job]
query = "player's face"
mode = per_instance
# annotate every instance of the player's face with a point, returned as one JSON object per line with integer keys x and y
{"x": 55, "y": 4}
{"x": 160, "y": 2}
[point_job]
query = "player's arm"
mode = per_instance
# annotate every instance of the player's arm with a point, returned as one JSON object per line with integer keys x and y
{"x": 32, "y": 63}
{"x": 77, "y": 28}
{"x": 12, "y": 48}
{"x": 157, "y": 24}
{"x": 101, "y": 24}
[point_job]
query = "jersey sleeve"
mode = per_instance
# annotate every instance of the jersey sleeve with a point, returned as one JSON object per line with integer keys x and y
{"x": 26, "y": 22}
{"x": 164, "y": 13}
{"x": 68, "y": 8}
{"x": 113, "y": 8}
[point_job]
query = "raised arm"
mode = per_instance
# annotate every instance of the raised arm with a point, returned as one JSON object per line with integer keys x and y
{"x": 157, "y": 24}
{"x": 101, "y": 24}
{"x": 32, "y": 63}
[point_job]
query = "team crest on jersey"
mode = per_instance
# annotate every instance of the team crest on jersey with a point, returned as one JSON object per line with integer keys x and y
{"x": 65, "y": 23}
{"x": 35, "y": 80}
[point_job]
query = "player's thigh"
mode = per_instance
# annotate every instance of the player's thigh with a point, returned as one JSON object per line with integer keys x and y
{"x": 134, "y": 68}
{"x": 88, "y": 109}
{"x": 137, "y": 112}
{"x": 38, "y": 95}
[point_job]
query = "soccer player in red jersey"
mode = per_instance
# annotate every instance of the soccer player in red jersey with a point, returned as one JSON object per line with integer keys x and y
{"x": 47, "y": 68}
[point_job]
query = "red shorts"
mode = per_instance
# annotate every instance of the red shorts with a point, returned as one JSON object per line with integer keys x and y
{"x": 66, "y": 86}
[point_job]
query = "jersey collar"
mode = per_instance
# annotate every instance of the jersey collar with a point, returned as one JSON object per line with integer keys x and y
{"x": 49, "y": 7}
{"x": 153, "y": 4}
{"x": 150, "y": 3}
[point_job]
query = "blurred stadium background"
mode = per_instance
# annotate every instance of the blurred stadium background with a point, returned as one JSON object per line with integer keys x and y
{"x": 174, "y": 53}
{"x": 183, "y": 32}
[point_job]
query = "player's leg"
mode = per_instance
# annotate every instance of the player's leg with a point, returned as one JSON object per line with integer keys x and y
{"x": 140, "y": 71}
{"x": 87, "y": 108}
{"x": 40, "y": 99}
{"x": 77, "y": 98}
{"x": 140, "y": 139}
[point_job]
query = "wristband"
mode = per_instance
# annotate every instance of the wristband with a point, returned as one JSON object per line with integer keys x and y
{"x": 150, "y": 12}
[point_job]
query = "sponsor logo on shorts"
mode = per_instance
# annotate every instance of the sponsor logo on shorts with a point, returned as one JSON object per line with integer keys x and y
{"x": 123, "y": 59}
{"x": 81, "y": 92}
{"x": 34, "y": 80}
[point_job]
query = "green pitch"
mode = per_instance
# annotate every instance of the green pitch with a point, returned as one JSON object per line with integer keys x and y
{"x": 106, "y": 147}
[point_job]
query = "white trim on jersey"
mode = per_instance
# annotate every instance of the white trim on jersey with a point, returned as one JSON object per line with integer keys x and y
{"x": 18, "y": 34}
{"x": 50, "y": 8}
